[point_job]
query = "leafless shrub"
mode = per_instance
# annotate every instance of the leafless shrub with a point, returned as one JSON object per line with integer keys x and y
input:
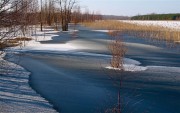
{"x": 117, "y": 49}
{"x": 16, "y": 22}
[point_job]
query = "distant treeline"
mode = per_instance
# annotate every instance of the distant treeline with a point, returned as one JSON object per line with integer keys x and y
{"x": 157, "y": 17}
{"x": 114, "y": 17}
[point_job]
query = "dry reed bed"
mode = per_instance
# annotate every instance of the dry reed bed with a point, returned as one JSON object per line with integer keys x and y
{"x": 171, "y": 36}
{"x": 14, "y": 42}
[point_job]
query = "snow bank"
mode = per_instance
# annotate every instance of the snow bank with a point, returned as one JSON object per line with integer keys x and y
{"x": 46, "y": 36}
{"x": 166, "y": 24}
{"x": 104, "y": 31}
{"x": 16, "y": 95}
{"x": 130, "y": 65}
{"x": 51, "y": 47}
{"x": 133, "y": 66}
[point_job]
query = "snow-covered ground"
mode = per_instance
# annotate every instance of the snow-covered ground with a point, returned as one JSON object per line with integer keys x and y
{"x": 47, "y": 35}
{"x": 166, "y": 24}
{"x": 16, "y": 96}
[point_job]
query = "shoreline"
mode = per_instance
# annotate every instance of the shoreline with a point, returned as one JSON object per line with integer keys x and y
{"x": 67, "y": 79}
{"x": 51, "y": 103}
{"x": 77, "y": 79}
{"x": 19, "y": 77}
{"x": 30, "y": 84}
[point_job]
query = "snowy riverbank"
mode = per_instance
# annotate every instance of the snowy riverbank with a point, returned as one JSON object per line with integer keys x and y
{"x": 75, "y": 74}
{"x": 15, "y": 93}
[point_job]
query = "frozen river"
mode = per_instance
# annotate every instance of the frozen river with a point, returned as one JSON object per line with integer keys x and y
{"x": 76, "y": 81}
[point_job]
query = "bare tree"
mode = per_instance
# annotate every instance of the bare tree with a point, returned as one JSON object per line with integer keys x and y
{"x": 66, "y": 7}
{"x": 50, "y": 14}
{"x": 14, "y": 17}
{"x": 9, "y": 20}
{"x": 76, "y": 16}
{"x": 88, "y": 16}
{"x": 41, "y": 17}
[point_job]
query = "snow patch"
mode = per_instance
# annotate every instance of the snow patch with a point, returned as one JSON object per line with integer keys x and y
{"x": 129, "y": 67}
{"x": 133, "y": 66}
{"x": 165, "y": 24}
{"x": 45, "y": 36}
{"x": 52, "y": 47}
{"x": 104, "y": 31}
{"x": 70, "y": 31}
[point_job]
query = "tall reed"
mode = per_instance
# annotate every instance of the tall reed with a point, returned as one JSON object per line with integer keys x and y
{"x": 158, "y": 33}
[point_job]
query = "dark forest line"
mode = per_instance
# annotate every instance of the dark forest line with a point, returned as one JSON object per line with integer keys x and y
{"x": 157, "y": 17}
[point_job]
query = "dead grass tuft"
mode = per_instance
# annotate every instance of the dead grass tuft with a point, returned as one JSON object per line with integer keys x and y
{"x": 13, "y": 42}
{"x": 117, "y": 49}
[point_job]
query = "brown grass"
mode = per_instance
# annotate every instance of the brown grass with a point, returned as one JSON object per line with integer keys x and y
{"x": 150, "y": 32}
{"x": 23, "y": 39}
{"x": 13, "y": 42}
{"x": 2, "y": 45}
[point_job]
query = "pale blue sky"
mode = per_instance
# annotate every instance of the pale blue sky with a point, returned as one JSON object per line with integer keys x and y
{"x": 131, "y": 7}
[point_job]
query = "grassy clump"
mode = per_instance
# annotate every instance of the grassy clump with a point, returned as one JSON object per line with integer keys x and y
{"x": 117, "y": 49}
{"x": 23, "y": 39}
{"x": 13, "y": 42}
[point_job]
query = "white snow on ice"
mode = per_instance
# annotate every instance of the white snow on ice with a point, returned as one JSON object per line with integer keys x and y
{"x": 166, "y": 24}
{"x": 104, "y": 31}
{"x": 133, "y": 66}
{"x": 39, "y": 36}
{"x": 130, "y": 65}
